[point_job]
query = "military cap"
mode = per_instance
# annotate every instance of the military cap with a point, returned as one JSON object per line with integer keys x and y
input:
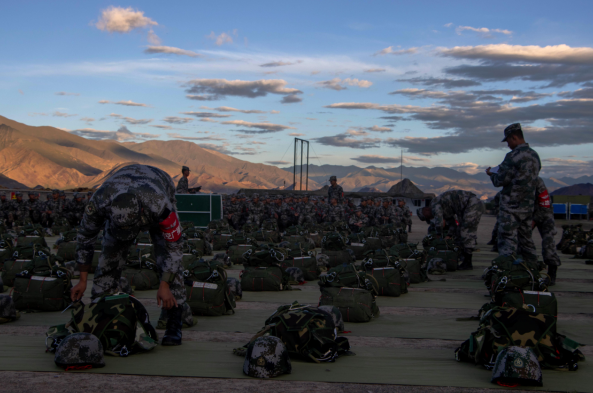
{"x": 184, "y": 168}
{"x": 55, "y": 191}
{"x": 18, "y": 193}
{"x": 517, "y": 365}
{"x": 511, "y": 129}
{"x": 266, "y": 357}
{"x": 31, "y": 192}
{"x": 2, "y": 193}
{"x": 313, "y": 199}
{"x": 336, "y": 315}
{"x": 420, "y": 215}
{"x": 8, "y": 311}
{"x": 333, "y": 178}
{"x": 358, "y": 209}
{"x": 80, "y": 351}
{"x": 75, "y": 195}
{"x": 255, "y": 195}
{"x": 125, "y": 216}
{"x": 378, "y": 199}
{"x": 62, "y": 193}
{"x": 90, "y": 193}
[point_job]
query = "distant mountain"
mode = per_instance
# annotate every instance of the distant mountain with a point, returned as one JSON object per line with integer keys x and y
{"x": 6, "y": 182}
{"x": 369, "y": 189}
{"x": 577, "y": 189}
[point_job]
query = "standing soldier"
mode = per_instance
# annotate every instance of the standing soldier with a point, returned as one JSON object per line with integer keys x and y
{"x": 543, "y": 219}
{"x": 183, "y": 184}
{"x": 136, "y": 198}
{"x": 468, "y": 209}
{"x": 334, "y": 190}
{"x": 232, "y": 213}
{"x": 89, "y": 195}
{"x": 517, "y": 175}
{"x": 4, "y": 206}
{"x": 494, "y": 240}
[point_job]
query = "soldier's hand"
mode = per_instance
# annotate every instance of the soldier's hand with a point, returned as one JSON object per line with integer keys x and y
{"x": 165, "y": 297}
{"x": 77, "y": 292}
{"x": 488, "y": 171}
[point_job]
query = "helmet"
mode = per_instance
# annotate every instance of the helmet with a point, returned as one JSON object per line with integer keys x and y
{"x": 80, "y": 351}
{"x": 436, "y": 266}
{"x": 8, "y": 312}
{"x": 296, "y": 274}
{"x": 336, "y": 315}
{"x": 125, "y": 216}
{"x": 266, "y": 357}
{"x": 517, "y": 366}
{"x": 235, "y": 287}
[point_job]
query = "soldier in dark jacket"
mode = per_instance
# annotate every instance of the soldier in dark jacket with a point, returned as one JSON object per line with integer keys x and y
{"x": 335, "y": 191}
{"x": 543, "y": 219}
{"x": 135, "y": 198}
{"x": 183, "y": 184}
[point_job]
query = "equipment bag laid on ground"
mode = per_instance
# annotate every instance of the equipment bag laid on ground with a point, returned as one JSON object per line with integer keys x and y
{"x": 355, "y": 304}
{"x": 374, "y": 243}
{"x": 202, "y": 270}
{"x": 271, "y": 278}
{"x": 450, "y": 257}
{"x": 358, "y": 244}
{"x": 301, "y": 250}
{"x": 502, "y": 327}
{"x": 510, "y": 271}
{"x": 22, "y": 241}
{"x": 343, "y": 276}
{"x": 333, "y": 241}
{"x": 60, "y": 226}
{"x": 538, "y": 302}
{"x": 415, "y": 269}
{"x": 209, "y": 298}
{"x": 377, "y": 258}
{"x": 42, "y": 293}
{"x": 69, "y": 235}
{"x": 269, "y": 255}
{"x": 585, "y": 252}
{"x": 142, "y": 276}
{"x": 405, "y": 250}
{"x": 389, "y": 281}
{"x": 136, "y": 250}
{"x": 337, "y": 258}
{"x": 187, "y": 260}
{"x": 220, "y": 239}
{"x": 237, "y": 251}
{"x": 307, "y": 264}
{"x": 267, "y": 236}
{"x": 119, "y": 321}
{"x": 14, "y": 267}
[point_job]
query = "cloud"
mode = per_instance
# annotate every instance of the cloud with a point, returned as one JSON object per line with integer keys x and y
{"x": 558, "y": 167}
{"x": 87, "y": 119}
{"x": 104, "y": 102}
{"x": 339, "y": 84}
{"x": 291, "y": 99}
{"x": 21, "y": 92}
{"x": 484, "y": 32}
{"x": 220, "y": 88}
{"x": 177, "y": 120}
{"x": 62, "y": 114}
{"x": 201, "y": 97}
{"x": 345, "y": 140}
{"x": 130, "y": 120}
{"x": 63, "y": 93}
{"x": 153, "y": 38}
{"x": 262, "y": 128}
{"x": 129, "y": 103}
{"x": 390, "y": 51}
{"x": 33, "y": 114}
{"x": 225, "y": 150}
{"x": 375, "y": 70}
{"x": 444, "y": 82}
{"x": 123, "y": 20}
{"x": 558, "y": 54}
{"x": 221, "y": 39}
{"x": 379, "y": 129}
{"x": 229, "y": 109}
{"x": 208, "y": 120}
{"x": 162, "y": 127}
{"x": 295, "y": 134}
{"x": 171, "y": 50}
{"x": 193, "y": 138}
{"x": 277, "y": 162}
{"x": 467, "y": 167}
{"x": 204, "y": 114}
{"x": 279, "y": 63}
{"x": 376, "y": 159}
{"x": 579, "y": 93}
{"x": 122, "y": 134}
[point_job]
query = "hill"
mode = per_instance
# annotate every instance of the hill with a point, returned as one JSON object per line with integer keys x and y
{"x": 577, "y": 189}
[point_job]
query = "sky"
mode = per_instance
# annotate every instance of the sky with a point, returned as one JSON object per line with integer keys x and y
{"x": 362, "y": 81}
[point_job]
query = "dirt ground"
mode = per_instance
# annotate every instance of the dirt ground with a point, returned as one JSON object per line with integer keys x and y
{"x": 75, "y": 382}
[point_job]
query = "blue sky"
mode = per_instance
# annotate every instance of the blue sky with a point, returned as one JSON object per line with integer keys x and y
{"x": 360, "y": 80}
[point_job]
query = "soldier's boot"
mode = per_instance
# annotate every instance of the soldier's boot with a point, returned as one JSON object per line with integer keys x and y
{"x": 552, "y": 269}
{"x": 173, "y": 332}
{"x": 491, "y": 242}
{"x": 467, "y": 262}
{"x": 409, "y": 229}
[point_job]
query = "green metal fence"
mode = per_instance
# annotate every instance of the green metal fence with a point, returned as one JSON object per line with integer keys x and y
{"x": 199, "y": 208}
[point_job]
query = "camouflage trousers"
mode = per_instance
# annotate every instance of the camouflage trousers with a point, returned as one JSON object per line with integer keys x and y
{"x": 467, "y": 230}
{"x": 515, "y": 234}
{"x": 113, "y": 260}
{"x": 495, "y": 233}
{"x": 255, "y": 219}
{"x": 547, "y": 231}
{"x": 307, "y": 219}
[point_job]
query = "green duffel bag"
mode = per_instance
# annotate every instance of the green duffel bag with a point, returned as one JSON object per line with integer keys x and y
{"x": 142, "y": 276}
{"x": 38, "y": 293}
{"x": 374, "y": 243}
{"x": 14, "y": 267}
{"x": 307, "y": 264}
{"x": 292, "y": 239}
{"x": 355, "y": 304}
{"x": 343, "y": 276}
{"x": 220, "y": 241}
{"x": 209, "y": 298}
{"x": 585, "y": 252}
{"x": 404, "y": 250}
{"x": 22, "y": 241}
{"x": 69, "y": 235}
{"x": 358, "y": 244}
{"x": 388, "y": 281}
{"x": 272, "y": 278}
{"x": 267, "y": 236}
{"x": 202, "y": 270}
{"x": 187, "y": 260}
{"x": 333, "y": 241}
{"x": 337, "y": 258}
{"x": 377, "y": 258}
{"x": 237, "y": 251}
{"x": 415, "y": 270}
{"x": 316, "y": 237}
{"x": 510, "y": 272}
{"x": 202, "y": 245}
{"x": 67, "y": 250}
{"x": 532, "y": 301}
{"x": 140, "y": 249}
{"x": 450, "y": 257}
{"x": 60, "y": 226}
{"x": 269, "y": 255}
{"x": 5, "y": 254}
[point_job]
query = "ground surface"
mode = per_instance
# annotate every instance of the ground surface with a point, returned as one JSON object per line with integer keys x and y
{"x": 409, "y": 347}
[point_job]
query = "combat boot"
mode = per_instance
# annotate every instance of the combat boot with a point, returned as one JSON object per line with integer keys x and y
{"x": 490, "y": 243}
{"x": 173, "y": 332}
{"x": 552, "y": 269}
{"x": 467, "y": 262}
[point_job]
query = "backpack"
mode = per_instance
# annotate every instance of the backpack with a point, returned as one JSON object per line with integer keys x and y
{"x": 237, "y": 251}
{"x": 296, "y": 230}
{"x": 119, "y": 321}
{"x": 69, "y": 235}
{"x": 537, "y": 302}
{"x": 333, "y": 241}
{"x": 142, "y": 276}
{"x": 270, "y": 225}
{"x": 355, "y": 304}
{"x": 268, "y": 256}
{"x": 300, "y": 250}
{"x": 202, "y": 270}
{"x": 585, "y": 252}
{"x": 449, "y": 257}
{"x": 509, "y": 272}
{"x": 337, "y": 258}
{"x": 501, "y": 327}
{"x": 389, "y": 281}
{"x": 377, "y": 258}
{"x": 358, "y": 244}
{"x": 211, "y": 297}
{"x": 415, "y": 269}
{"x": 30, "y": 240}
{"x": 343, "y": 276}
{"x": 405, "y": 250}
{"x": 264, "y": 235}
{"x": 271, "y": 278}
{"x": 14, "y": 267}
{"x": 60, "y": 226}
{"x": 43, "y": 293}
{"x": 220, "y": 239}
{"x": 307, "y": 264}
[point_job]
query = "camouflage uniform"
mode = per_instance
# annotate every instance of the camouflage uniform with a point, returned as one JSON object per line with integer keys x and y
{"x": 467, "y": 207}
{"x": 335, "y": 192}
{"x": 33, "y": 209}
{"x": 4, "y": 206}
{"x": 308, "y": 213}
{"x": 496, "y": 203}
{"x": 75, "y": 210}
{"x": 156, "y": 193}
{"x": 407, "y": 217}
{"x": 255, "y": 211}
{"x": 287, "y": 217}
{"x": 18, "y": 210}
{"x": 356, "y": 219}
{"x": 336, "y": 213}
{"x": 517, "y": 175}
{"x": 182, "y": 186}
{"x": 543, "y": 217}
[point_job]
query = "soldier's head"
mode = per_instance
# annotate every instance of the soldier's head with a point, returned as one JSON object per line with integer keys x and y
{"x": 31, "y": 195}
{"x": 305, "y": 198}
{"x": 401, "y": 203}
{"x": 2, "y": 196}
{"x": 48, "y": 196}
{"x": 378, "y": 202}
{"x": 386, "y": 203}
{"x": 125, "y": 217}
{"x": 19, "y": 196}
{"x": 358, "y": 212}
{"x": 334, "y": 201}
{"x": 233, "y": 199}
{"x": 313, "y": 200}
{"x": 62, "y": 195}
{"x": 89, "y": 195}
{"x": 255, "y": 198}
{"x": 363, "y": 203}
{"x": 55, "y": 194}
{"x": 36, "y": 195}
{"x": 333, "y": 180}
{"x": 425, "y": 213}
{"x": 185, "y": 171}
{"x": 513, "y": 136}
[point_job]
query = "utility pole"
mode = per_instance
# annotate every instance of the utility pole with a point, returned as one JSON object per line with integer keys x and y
{"x": 401, "y": 166}
{"x": 302, "y": 142}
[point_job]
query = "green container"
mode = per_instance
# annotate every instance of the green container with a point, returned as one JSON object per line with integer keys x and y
{"x": 199, "y": 208}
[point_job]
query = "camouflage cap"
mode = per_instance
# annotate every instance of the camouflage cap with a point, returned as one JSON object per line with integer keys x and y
{"x": 18, "y": 193}
{"x": 80, "y": 351}
{"x": 378, "y": 199}
{"x": 125, "y": 216}
{"x": 55, "y": 191}
{"x": 62, "y": 193}
{"x": 8, "y": 311}
{"x": 31, "y": 192}
{"x": 517, "y": 366}
{"x": 420, "y": 215}
{"x": 510, "y": 129}
{"x": 76, "y": 195}
{"x": 358, "y": 209}
{"x": 333, "y": 178}
{"x": 336, "y": 315}
{"x": 255, "y": 195}
{"x": 296, "y": 275}
{"x": 266, "y": 357}
{"x": 2, "y": 193}
{"x": 184, "y": 168}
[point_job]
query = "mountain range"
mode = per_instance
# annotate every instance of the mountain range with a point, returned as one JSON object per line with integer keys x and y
{"x": 53, "y": 158}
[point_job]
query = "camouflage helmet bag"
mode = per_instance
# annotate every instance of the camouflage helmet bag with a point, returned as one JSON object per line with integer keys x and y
{"x": 266, "y": 357}
{"x": 8, "y": 312}
{"x": 79, "y": 351}
{"x": 517, "y": 366}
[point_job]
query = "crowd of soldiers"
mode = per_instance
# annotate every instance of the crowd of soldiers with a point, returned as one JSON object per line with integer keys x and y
{"x": 19, "y": 211}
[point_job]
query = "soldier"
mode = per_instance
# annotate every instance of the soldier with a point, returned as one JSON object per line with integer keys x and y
{"x": 358, "y": 220}
{"x": 468, "y": 210}
{"x": 336, "y": 211}
{"x": 75, "y": 209}
{"x": 89, "y": 195}
{"x": 255, "y": 211}
{"x": 33, "y": 208}
{"x": 309, "y": 212}
{"x": 4, "y": 205}
{"x": 334, "y": 190}
{"x": 384, "y": 213}
{"x": 183, "y": 185}
{"x": 494, "y": 240}
{"x": 137, "y": 197}
{"x": 517, "y": 175}
{"x": 233, "y": 212}
{"x": 287, "y": 213}
{"x": 18, "y": 212}
{"x": 543, "y": 219}
{"x": 406, "y": 215}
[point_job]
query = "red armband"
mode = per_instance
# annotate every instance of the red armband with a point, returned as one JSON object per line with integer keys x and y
{"x": 171, "y": 228}
{"x": 544, "y": 200}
